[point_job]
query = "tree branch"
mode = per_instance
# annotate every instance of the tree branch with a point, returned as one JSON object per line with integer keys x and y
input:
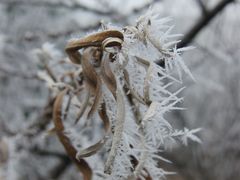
{"x": 193, "y": 32}
{"x": 202, "y": 6}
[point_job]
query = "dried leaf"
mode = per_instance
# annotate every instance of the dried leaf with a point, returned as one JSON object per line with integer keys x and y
{"x": 103, "y": 115}
{"x": 59, "y": 127}
{"x": 98, "y": 95}
{"x": 91, "y": 150}
{"x": 111, "y": 42}
{"x": 92, "y": 40}
{"x": 93, "y": 81}
{"x": 107, "y": 75}
{"x": 96, "y": 147}
{"x": 83, "y": 107}
{"x": 74, "y": 56}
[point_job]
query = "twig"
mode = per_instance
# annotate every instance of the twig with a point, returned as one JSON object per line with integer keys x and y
{"x": 43, "y": 152}
{"x": 58, "y": 170}
{"x": 55, "y": 172}
{"x": 138, "y": 117}
{"x": 202, "y": 6}
{"x": 193, "y": 32}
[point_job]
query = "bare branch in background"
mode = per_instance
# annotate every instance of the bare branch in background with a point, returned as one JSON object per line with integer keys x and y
{"x": 203, "y": 22}
{"x": 42, "y": 152}
{"x": 202, "y": 6}
{"x": 60, "y": 168}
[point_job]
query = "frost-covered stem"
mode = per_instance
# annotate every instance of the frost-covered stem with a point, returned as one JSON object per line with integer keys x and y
{"x": 138, "y": 118}
{"x": 118, "y": 129}
{"x": 143, "y": 158}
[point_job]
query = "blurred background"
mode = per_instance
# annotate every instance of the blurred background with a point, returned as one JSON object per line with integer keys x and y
{"x": 212, "y": 101}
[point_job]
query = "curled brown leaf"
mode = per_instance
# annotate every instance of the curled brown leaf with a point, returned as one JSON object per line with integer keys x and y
{"x": 59, "y": 127}
{"x": 93, "y": 81}
{"x": 94, "y": 40}
{"x": 83, "y": 107}
{"x": 96, "y": 147}
{"x": 107, "y": 74}
{"x": 111, "y": 42}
